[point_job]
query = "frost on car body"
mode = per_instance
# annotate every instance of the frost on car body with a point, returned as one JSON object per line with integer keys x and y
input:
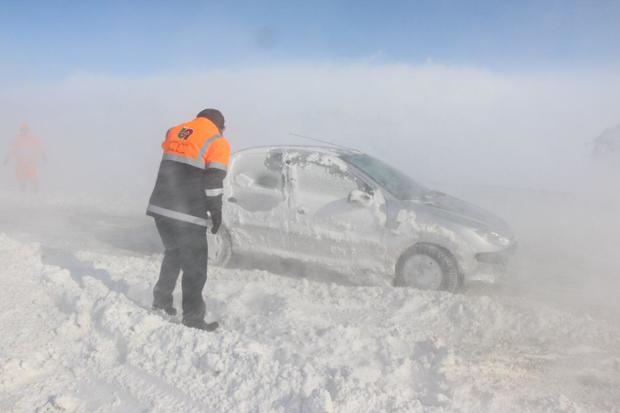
{"x": 351, "y": 212}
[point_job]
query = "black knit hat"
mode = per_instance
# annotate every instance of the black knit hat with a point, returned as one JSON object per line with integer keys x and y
{"x": 214, "y": 116}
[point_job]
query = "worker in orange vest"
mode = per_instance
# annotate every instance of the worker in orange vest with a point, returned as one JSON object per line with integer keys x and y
{"x": 189, "y": 183}
{"x": 27, "y": 151}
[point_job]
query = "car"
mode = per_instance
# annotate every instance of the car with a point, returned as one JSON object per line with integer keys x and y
{"x": 351, "y": 212}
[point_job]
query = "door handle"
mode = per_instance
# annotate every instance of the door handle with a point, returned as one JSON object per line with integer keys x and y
{"x": 301, "y": 211}
{"x": 232, "y": 200}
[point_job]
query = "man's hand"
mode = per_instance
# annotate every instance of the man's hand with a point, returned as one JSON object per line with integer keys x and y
{"x": 216, "y": 219}
{"x": 214, "y": 190}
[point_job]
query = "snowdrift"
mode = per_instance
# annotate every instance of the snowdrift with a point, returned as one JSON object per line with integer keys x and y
{"x": 77, "y": 336}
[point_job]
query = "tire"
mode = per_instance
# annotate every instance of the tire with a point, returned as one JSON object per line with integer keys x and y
{"x": 220, "y": 247}
{"x": 428, "y": 267}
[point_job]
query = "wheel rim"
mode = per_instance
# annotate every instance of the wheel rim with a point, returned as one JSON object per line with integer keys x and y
{"x": 422, "y": 271}
{"x": 216, "y": 247}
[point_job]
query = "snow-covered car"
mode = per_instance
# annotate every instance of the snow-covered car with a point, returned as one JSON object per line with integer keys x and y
{"x": 353, "y": 213}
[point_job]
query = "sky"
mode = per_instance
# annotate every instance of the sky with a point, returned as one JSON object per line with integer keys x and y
{"x": 50, "y": 40}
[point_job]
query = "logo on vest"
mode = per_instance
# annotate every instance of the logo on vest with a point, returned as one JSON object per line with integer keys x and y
{"x": 185, "y": 133}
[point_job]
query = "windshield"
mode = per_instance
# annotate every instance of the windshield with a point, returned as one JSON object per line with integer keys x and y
{"x": 393, "y": 180}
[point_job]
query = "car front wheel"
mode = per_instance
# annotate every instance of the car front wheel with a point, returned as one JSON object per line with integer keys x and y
{"x": 427, "y": 267}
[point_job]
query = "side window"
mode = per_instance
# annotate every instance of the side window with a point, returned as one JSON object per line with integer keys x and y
{"x": 256, "y": 180}
{"x": 321, "y": 181}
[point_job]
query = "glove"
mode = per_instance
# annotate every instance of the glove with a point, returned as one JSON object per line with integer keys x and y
{"x": 216, "y": 219}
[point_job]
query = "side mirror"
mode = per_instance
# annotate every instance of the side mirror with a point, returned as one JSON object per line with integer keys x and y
{"x": 359, "y": 197}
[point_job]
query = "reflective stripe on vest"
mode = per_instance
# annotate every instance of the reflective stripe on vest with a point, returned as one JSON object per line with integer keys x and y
{"x": 199, "y": 161}
{"x": 217, "y": 165}
{"x": 205, "y": 145}
{"x": 214, "y": 192}
{"x": 180, "y": 216}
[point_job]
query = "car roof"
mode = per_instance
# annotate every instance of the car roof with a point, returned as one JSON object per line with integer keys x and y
{"x": 310, "y": 148}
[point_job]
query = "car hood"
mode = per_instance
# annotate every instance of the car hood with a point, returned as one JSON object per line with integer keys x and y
{"x": 456, "y": 210}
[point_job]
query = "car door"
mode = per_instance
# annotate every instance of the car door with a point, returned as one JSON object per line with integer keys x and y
{"x": 257, "y": 201}
{"x": 339, "y": 218}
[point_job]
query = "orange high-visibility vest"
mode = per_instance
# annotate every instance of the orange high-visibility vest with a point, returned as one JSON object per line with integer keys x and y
{"x": 190, "y": 178}
{"x": 197, "y": 143}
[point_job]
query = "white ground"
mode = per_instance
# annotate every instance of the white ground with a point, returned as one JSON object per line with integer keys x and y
{"x": 75, "y": 334}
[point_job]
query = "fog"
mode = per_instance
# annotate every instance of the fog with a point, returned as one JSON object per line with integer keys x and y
{"x": 80, "y": 257}
{"x": 439, "y": 123}
{"x": 515, "y": 143}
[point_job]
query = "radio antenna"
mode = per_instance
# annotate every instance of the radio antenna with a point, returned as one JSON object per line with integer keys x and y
{"x": 319, "y": 140}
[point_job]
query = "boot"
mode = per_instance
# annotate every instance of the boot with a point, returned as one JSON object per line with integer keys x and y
{"x": 170, "y": 310}
{"x": 202, "y": 325}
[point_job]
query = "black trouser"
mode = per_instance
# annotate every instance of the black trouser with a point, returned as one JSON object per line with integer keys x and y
{"x": 186, "y": 249}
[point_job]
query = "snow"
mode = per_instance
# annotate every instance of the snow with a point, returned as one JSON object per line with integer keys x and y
{"x": 77, "y": 336}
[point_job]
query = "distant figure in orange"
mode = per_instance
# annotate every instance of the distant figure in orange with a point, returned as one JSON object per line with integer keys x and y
{"x": 27, "y": 151}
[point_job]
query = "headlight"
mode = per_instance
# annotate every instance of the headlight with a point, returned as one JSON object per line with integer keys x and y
{"x": 494, "y": 238}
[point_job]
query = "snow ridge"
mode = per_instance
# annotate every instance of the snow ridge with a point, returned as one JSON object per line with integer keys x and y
{"x": 78, "y": 337}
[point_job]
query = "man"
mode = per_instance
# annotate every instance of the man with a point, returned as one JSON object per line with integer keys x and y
{"x": 26, "y": 150}
{"x": 189, "y": 183}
